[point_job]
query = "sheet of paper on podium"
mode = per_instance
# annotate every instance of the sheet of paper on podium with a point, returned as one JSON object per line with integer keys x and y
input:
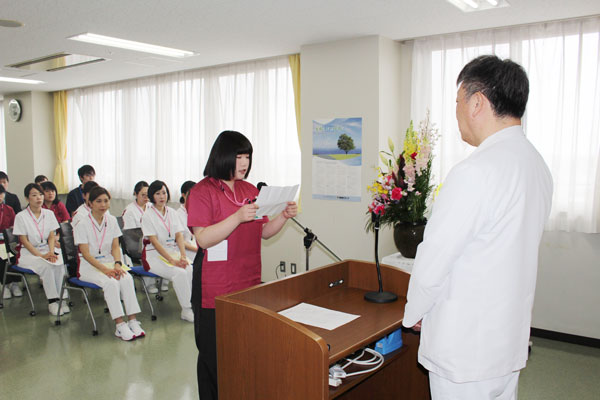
{"x": 273, "y": 199}
{"x": 318, "y": 316}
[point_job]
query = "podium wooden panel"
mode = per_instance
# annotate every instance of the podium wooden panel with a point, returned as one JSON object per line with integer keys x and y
{"x": 263, "y": 355}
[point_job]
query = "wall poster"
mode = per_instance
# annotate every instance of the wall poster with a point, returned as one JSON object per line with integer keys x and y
{"x": 337, "y": 159}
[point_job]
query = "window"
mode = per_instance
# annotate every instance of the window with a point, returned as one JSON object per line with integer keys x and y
{"x": 163, "y": 127}
{"x": 562, "y": 60}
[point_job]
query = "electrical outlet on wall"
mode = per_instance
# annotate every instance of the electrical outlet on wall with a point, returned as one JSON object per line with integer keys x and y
{"x": 293, "y": 268}
{"x": 281, "y": 266}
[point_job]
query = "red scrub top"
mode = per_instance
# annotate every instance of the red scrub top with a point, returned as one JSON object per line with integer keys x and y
{"x": 211, "y": 201}
{"x": 7, "y": 217}
{"x": 60, "y": 212}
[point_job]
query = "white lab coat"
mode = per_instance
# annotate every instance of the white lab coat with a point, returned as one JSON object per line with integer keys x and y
{"x": 473, "y": 280}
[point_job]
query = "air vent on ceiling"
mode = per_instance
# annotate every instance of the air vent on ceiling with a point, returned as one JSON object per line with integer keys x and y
{"x": 56, "y": 62}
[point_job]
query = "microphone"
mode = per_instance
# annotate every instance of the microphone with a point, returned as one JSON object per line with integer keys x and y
{"x": 379, "y": 296}
{"x": 260, "y": 185}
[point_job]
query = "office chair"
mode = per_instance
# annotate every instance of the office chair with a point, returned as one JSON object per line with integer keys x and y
{"x": 131, "y": 244}
{"x": 11, "y": 242}
{"x": 72, "y": 282}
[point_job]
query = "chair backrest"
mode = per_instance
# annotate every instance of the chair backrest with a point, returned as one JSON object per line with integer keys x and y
{"x": 10, "y": 241}
{"x": 132, "y": 243}
{"x": 120, "y": 222}
{"x": 68, "y": 248}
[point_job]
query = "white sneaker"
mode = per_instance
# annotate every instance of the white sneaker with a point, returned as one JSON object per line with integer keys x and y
{"x": 136, "y": 327}
{"x": 15, "y": 289}
{"x": 165, "y": 286}
{"x": 152, "y": 289}
{"x": 64, "y": 309}
{"x": 124, "y": 332}
{"x": 187, "y": 315}
{"x": 53, "y": 309}
{"x": 7, "y": 294}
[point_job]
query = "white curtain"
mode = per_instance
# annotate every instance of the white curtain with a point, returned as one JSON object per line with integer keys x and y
{"x": 2, "y": 139}
{"x": 562, "y": 60}
{"x": 163, "y": 127}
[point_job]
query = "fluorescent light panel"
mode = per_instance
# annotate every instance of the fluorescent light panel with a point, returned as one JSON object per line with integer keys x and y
{"x": 478, "y": 5}
{"x": 130, "y": 45}
{"x": 19, "y": 80}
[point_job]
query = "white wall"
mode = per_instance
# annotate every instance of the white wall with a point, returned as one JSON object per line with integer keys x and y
{"x": 351, "y": 78}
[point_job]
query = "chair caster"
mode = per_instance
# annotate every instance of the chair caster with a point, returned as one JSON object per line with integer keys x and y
{"x": 106, "y": 310}
{"x": 70, "y": 304}
{"x": 154, "y": 318}
{"x": 159, "y": 297}
{"x": 94, "y": 333}
{"x": 56, "y": 323}
{"x": 1, "y": 306}
{"x": 32, "y": 313}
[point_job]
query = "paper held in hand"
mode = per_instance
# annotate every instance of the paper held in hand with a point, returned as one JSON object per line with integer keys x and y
{"x": 174, "y": 256}
{"x": 273, "y": 199}
{"x": 111, "y": 265}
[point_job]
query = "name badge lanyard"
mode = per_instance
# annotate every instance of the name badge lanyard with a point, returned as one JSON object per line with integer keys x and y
{"x": 168, "y": 228}
{"x": 37, "y": 225}
{"x": 140, "y": 209}
{"x": 99, "y": 242}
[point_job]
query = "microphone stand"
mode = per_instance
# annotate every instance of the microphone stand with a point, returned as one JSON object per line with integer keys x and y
{"x": 309, "y": 238}
{"x": 380, "y": 296}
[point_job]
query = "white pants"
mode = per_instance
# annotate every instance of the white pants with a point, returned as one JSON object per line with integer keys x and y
{"x": 114, "y": 290}
{"x": 502, "y": 388}
{"x": 51, "y": 275}
{"x": 181, "y": 278}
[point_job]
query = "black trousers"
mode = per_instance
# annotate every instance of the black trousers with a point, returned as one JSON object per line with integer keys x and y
{"x": 206, "y": 337}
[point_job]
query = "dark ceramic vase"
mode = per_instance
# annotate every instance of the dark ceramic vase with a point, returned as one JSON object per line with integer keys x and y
{"x": 407, "y": 236}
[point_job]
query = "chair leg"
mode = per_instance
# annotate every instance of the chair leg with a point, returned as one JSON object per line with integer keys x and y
{"x": 24, "y": 279}
{"x": 148, "y": 297}
{"x": 87, "y": 302}
{"x": 3, "y": 284}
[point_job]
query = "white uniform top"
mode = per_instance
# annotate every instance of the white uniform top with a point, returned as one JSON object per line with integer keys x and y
{"x": 36, "y": 229}
{"x": 98, "y": 237}
{"x": 132, "y": 216}
{"x": 81, "y": 213}
{"x": 164, "y": 227}
{"x": 187, "y": 235}
{"x": 473, "y": 280}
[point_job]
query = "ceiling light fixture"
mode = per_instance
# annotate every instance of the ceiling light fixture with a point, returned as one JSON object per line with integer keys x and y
{"x": 471, "y": 3}
{"x": 19, "y": 80}
{"x": 478, "y": 5}
{"x": 130, "y": 45}
{"x": 493, "y": 2}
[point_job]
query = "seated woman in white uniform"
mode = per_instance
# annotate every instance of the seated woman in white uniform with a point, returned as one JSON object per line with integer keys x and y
{"x": 190, "y": 243}
{"x": 164, "y": 249}
{"x": 35, "y": 227}
{"x": 132, "y": 219}
{"x": 84, "y": 209}
{"x": 97, "y": 236}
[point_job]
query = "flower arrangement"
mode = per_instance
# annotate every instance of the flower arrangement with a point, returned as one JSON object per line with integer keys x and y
{"x": 401, "y": 190}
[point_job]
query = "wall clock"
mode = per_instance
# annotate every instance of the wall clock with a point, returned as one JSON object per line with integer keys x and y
{"x": 14, "y": 110}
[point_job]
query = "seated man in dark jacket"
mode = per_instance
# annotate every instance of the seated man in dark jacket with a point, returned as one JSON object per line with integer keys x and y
{"x": 75, "y": 197}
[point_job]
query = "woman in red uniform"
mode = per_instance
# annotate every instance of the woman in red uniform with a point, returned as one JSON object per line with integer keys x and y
{"x": 51, "y": 202}
{"x": 222, "y": 215}
{"x": 7, "y": 220}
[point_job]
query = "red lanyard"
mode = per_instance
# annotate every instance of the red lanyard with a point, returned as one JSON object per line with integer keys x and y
{"x": 100, "y": 230}
{"x": 168, "y": 228}
{"x": 37, "y": 226}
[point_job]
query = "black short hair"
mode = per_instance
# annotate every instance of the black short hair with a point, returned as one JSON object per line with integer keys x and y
{"x": 96, "y": 192}
{"x": 4, "y": 176}
{"x": 31, "y": 186}
{"x": 2, "y": 190}
{"x": 139, "y": 186}
{"x": 222, "y": 158}
{"x": 155, "y": 187}
{"x": 47, "y": 186}
{"x": 503, "y": 82}
{"x": 40, "y": 179}
{"x": 88, "y": 186}
{"x": 185, "y": 188}
{"x": 86, "y": 170}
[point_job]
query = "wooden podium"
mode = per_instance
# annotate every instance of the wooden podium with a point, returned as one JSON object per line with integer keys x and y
{"x": 265, "y": 356}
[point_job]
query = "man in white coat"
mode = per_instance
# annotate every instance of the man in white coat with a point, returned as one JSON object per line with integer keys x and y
{"x": 473, "y": 282}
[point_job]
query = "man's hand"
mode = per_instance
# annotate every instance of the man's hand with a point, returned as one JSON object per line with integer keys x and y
{"x": 417, "y": 326}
